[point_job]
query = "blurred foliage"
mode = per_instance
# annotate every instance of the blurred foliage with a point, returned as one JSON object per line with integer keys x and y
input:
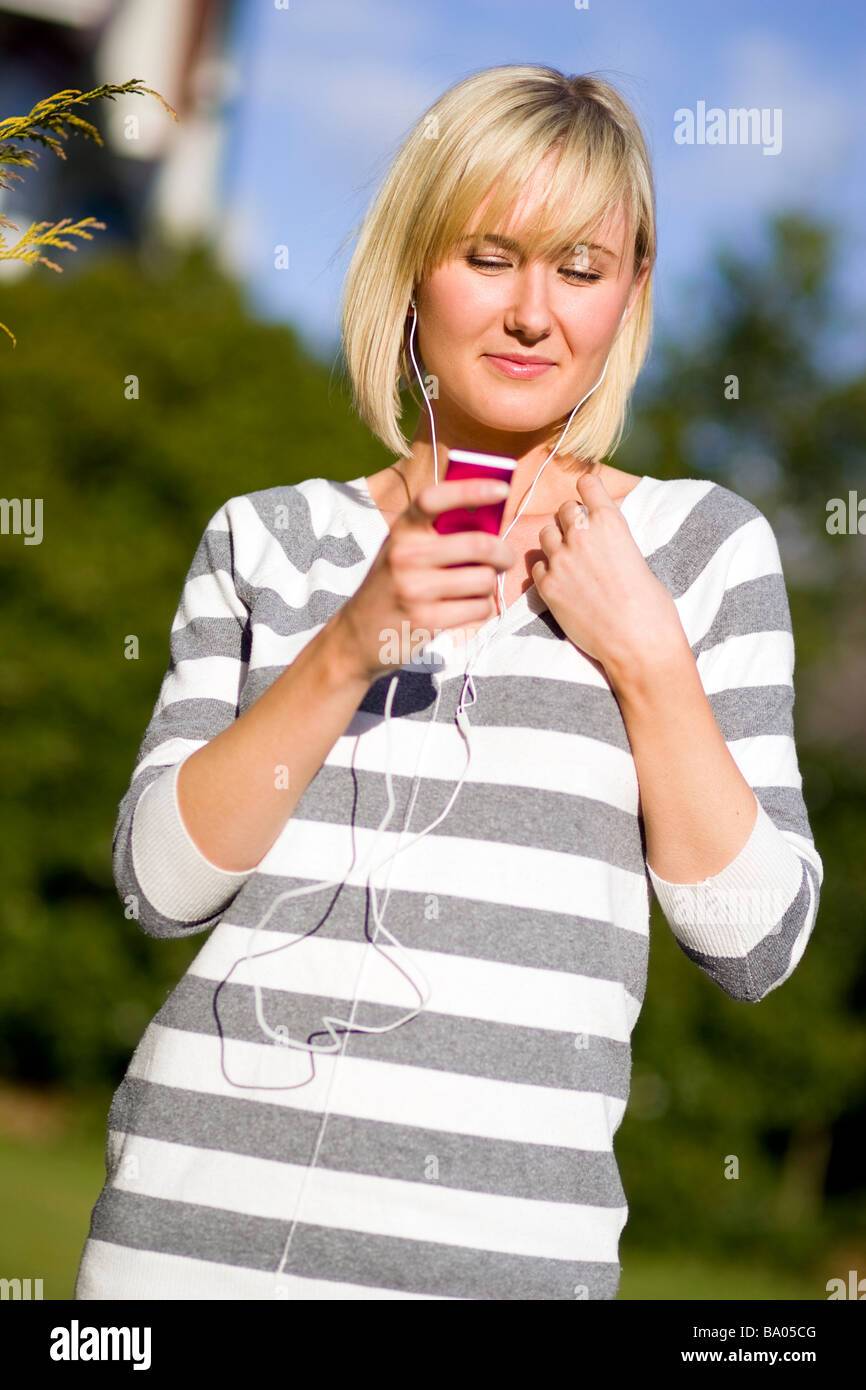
{"x": 780, "y": 1085}
{"x": 49, "y": 123}
{"x": 227, "y": 405}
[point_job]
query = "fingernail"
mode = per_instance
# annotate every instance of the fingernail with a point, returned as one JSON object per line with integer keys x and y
{"x": 497, "y": 488}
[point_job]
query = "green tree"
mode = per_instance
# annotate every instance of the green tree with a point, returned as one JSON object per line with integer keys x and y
{"x": 222, "y": 405}
{"x": 781, "y": 1084}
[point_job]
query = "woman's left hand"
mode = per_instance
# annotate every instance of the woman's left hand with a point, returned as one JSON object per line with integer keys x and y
{"x": 599, "y": 587}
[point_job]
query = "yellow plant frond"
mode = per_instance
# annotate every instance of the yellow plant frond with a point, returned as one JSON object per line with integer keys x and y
{"x": 79, "y": 123}
{"x": 9, "y": 155}
{"x": 168, "y": 106}
{"x": 54, "y": 114}
{"x": 48, "y": 234}
{"x": 12, "y": 176}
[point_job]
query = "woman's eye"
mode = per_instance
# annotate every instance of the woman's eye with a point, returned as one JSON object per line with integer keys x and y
{"x": 586, "y": 277}
{"x": 485, "y": 264}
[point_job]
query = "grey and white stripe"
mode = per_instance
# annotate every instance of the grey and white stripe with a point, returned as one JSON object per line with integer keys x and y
{"x": 469, "y": 1152}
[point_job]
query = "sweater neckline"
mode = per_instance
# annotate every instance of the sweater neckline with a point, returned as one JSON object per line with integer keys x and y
{"x": 370, "y": 529}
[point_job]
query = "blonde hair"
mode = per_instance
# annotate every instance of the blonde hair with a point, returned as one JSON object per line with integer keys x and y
{"x": 498, "y": 124}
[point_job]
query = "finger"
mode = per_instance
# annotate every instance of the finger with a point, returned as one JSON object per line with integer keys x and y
{"x": 435, "y": 498}
{"x": 576, "y": 518}
{"x": 571, "y": 513}
{"x": 458, "y": 548}
{"x": 464, "y": 581}
{"x": 550, "y": 538}
{"x": 593, "y": 493}
{"x": 461, "y": 612}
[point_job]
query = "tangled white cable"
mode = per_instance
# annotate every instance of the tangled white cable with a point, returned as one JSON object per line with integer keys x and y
{"x": 468, "y": 696}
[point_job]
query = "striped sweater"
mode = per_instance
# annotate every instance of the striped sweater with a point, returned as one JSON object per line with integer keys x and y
{"x": 467, "y": 1152}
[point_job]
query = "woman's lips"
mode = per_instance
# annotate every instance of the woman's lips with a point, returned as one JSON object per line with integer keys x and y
{"x": 522, "y": 371}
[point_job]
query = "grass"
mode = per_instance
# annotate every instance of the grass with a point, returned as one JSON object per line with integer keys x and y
{"x": 665, "y": 1275}
{"x": 48, "y": 1190}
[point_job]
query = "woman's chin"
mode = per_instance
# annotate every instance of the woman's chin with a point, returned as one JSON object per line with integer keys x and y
{"x": 508, "y": 417}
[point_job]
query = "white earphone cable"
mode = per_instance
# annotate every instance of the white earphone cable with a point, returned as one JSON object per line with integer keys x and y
{"x": 468, "y": 696}
{"x": 462, "y": 722}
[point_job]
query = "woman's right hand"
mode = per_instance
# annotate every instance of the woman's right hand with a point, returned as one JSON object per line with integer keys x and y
{"x": 410, "y": 594}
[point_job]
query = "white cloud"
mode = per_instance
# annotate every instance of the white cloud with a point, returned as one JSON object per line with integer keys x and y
{"x": 345, "y": 78}
{"x": 819, "y": 119}
{"x": 359, "y": 106}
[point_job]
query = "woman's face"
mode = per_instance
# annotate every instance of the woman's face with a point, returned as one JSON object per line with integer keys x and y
{"x": 488, "y": 303}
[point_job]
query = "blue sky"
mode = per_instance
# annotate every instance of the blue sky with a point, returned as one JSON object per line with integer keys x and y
{"x": 329, "y": 88}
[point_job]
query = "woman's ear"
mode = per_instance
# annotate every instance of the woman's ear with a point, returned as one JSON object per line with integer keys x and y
{"x": 639, "y": 280}
{"x": 634, "y": 292}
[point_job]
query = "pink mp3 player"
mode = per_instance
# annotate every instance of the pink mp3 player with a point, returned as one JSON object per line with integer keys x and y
{"x": 487, "y": 517}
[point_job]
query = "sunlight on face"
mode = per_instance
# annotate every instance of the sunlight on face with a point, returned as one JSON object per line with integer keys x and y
{"x": 488, "y": 302}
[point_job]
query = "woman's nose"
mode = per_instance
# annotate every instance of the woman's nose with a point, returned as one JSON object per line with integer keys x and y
{"x": 529, "y": 307}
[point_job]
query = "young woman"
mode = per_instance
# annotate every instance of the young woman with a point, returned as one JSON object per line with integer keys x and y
{"x": 419, "y": 785}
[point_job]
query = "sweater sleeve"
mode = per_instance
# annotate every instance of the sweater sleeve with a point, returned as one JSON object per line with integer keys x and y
{"x": 748, "y": 925}
{"x": 167, "y": 884}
